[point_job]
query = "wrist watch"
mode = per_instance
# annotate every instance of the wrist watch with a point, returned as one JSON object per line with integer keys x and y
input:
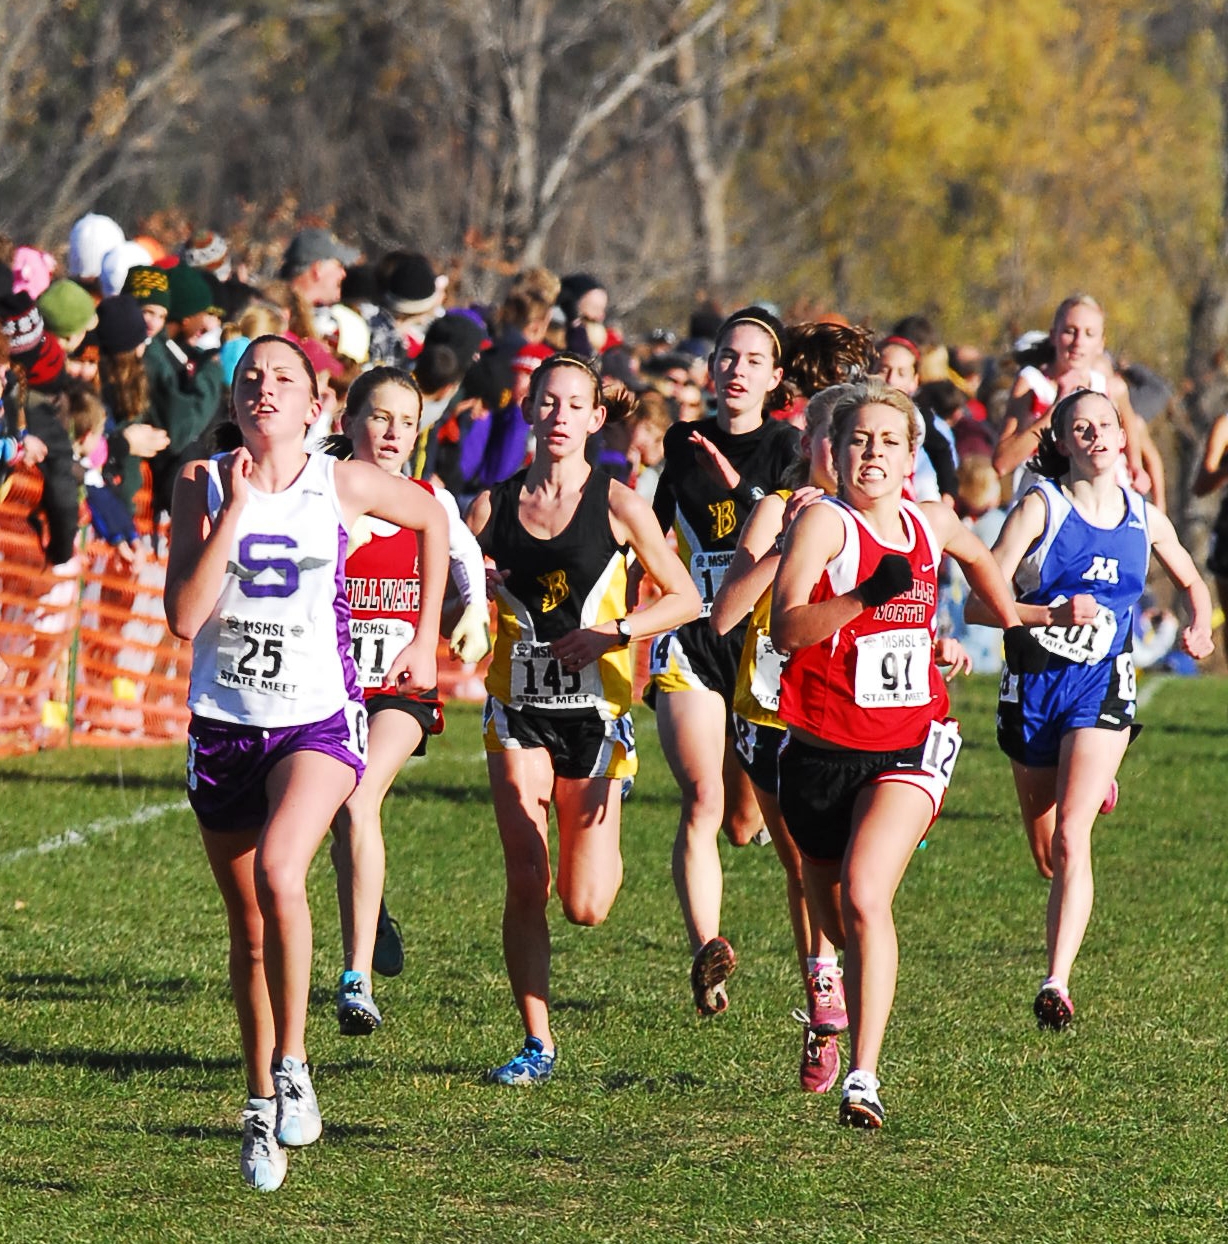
{"x": 623, "y": 626}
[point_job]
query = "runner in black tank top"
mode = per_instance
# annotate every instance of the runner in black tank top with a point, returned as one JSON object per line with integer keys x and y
{"x": 714, "y": 474}
{"x": 556, "y": 727}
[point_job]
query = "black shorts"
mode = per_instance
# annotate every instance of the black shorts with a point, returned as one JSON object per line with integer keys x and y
{"x": 580, "y": 745}
{"x": 757, "y": 748}
{"x": 695, "y": 658}
{"x": 818, "y": 788}
{"x": 427, "y": 713}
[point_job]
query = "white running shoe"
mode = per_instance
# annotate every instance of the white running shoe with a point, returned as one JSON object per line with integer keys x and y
{"x": 262, "y": 1160}
{"x": 860, "y": 1106}
{"x": 298, "y": 1112}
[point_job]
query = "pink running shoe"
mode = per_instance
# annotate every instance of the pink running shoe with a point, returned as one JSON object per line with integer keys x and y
{"x": 825, "y": 992}
{"x": 1053, "y": 1008}
{"x": 820, "y": 1058}
{"x": 712, "y": 966}
{"x": 1110, "y": 800}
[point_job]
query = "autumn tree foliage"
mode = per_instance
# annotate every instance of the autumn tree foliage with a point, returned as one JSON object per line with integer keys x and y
{"x": 973, "y": 159}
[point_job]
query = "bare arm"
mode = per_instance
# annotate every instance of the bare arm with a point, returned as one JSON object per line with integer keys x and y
{"x": 985, "y": 575}
{"x": 1023, "y": 527}
{"x": 1180, "y": 568}
{"x": 1153, "y": 463}
{"x": 364, "y": 488}
{"x": 1020, "y": 431}
{"x": 200, "y": 547}
{"x": 753, "y": 568}
{"x": 633, "y": 522}
{"x": 810, "y": 543}
{"x": 1214, "y": 470}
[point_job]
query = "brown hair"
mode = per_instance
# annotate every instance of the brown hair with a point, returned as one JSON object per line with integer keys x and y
{"x": 361, "y": 390}
{"x": 127, "y": 384}
{"x": 281, "y": 341}
{"x": 564, "y": 358}
{"x": 1048, "y": 460}
{"x": 819, "y": 354}
{"x": 82, "y": 412}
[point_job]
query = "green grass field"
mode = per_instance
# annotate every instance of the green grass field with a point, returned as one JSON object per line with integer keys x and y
{"x": 120, "y": 1083}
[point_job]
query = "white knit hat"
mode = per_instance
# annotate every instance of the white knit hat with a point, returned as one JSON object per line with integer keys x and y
{"x": 88, "y": 243}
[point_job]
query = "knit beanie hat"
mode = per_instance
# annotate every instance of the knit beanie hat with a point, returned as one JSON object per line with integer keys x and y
{"x": 33, "y": 270}
{"x": 91, "y": 237}
{"x": 148, "y": 284}
{"x": 66, "y": 308}
{"x": 121, "y": 324}
{"x": 190, "y": 293}
{"x": 208, "y": 251}
{"x": 115, "y": 265}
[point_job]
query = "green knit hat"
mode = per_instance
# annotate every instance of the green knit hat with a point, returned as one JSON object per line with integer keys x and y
{"x": 190, "y": 294}
{"x": 149, "y": 286}
{"x": 67, "y": 309}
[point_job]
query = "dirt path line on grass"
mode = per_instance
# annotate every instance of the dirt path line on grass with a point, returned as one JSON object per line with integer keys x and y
{"x": 104, "y": 825}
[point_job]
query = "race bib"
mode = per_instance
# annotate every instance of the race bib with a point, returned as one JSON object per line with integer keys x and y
{"x": 1085, "y": 644}
{"x": 941, "y": 749}
{"x": 270, "y": 658}
{"x": 765, "y": 681}
{"x": 375, "y": 643}
{"x": 707, "y": 571}
{"x": 893, "y": 669}
{"x": 540, "y": 681}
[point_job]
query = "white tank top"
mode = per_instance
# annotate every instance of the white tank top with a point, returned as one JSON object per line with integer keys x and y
{"x": 275, "y": 651}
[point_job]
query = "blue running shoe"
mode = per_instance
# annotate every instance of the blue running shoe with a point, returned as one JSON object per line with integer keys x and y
{"x": 531, "y": 1066}
{"x": 388, "y": 955}
{"x": 357, "y": 1013}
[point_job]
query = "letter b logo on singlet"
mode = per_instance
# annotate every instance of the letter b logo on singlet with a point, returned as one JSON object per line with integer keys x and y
{"x": 1102, "y": 570}
{"x": 557, "y": 589}
{"x": 724, "y": 519}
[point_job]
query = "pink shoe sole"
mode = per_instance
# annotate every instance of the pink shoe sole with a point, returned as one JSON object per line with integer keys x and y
{"x": 1110, "y": 800}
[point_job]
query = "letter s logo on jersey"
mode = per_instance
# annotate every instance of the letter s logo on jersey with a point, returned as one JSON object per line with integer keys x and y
{"x": 251, "y": 565}
{"x": 724, "y": 519}
{"x": 557, "y": 589}
{"x": 1102, "y": 570}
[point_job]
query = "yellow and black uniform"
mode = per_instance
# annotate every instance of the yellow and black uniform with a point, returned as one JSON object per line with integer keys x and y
{"x": 757, "y": 728}
{"x": 575, "y": 579}
{"x": 707, "y": 519}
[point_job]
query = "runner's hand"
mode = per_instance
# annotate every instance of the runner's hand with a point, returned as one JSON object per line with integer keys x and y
{"x": 413, "y": 671}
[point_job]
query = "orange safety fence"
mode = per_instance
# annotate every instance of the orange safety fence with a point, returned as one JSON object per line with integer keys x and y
{"x": 86, "y": 657}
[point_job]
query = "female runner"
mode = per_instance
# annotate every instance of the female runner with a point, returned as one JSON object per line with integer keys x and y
{"x": 1212, "y": 474}
{"x": 277, "y": 738}
{"x": 714, "y": 472}
{"x": 556, "y": 726}
{"x": 1077, "y": 341}
{"x": 385, "y": 591}
{"x": 869, "y": 749}
{"x": 1077, "y": 547}
{"x": 758, "y": 730}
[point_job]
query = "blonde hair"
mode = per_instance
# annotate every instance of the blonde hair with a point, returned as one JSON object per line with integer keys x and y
{"x": 980, "y": 487}
{"x": 1069, "y": 304}
{"x": 873, "y": 391}
{"x": 817, "y": 426}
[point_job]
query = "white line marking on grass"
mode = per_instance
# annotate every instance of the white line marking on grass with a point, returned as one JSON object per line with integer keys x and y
{"x": 104, "y": 825}
{"x": 1147, "y": 693}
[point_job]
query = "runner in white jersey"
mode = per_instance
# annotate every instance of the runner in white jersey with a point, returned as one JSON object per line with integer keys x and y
{"x": 1076, "y": 345}
{"x": 277, "y": 738}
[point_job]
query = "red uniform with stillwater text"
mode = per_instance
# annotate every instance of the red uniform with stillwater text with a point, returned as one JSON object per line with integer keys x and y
{"x": 873, "y": 684}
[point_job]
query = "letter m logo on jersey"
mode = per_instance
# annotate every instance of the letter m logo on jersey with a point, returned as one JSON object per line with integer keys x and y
{"x": 557, "y": 589}
{"x": 1102, "y": 570}
{"x": 724, "y": 519}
